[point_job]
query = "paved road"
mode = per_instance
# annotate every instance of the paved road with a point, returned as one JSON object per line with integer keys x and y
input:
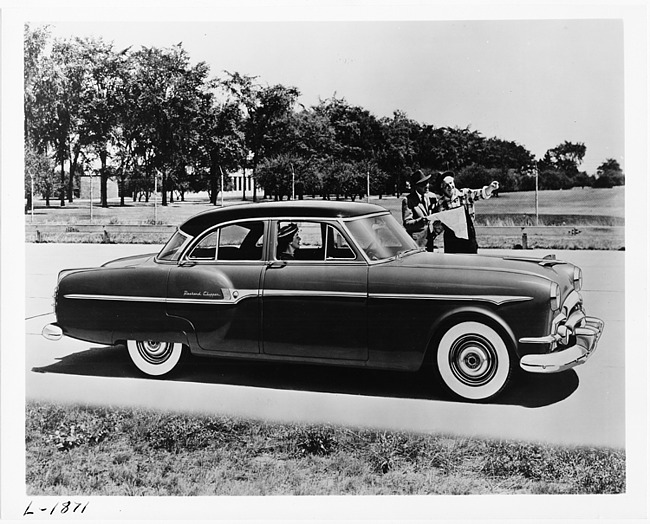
{"x": 581, "y": 406}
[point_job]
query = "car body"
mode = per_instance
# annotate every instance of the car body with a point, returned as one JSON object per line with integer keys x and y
{"x": 358, "y": 292}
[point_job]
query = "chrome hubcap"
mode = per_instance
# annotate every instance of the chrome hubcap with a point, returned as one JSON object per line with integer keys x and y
{"x": 473, "y": 360}
{"x": 154, "y": 352}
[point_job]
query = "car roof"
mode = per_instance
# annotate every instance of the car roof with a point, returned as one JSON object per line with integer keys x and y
{"x": 297, "y": 208}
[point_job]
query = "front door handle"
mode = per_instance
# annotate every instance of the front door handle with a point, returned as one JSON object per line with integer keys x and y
{"x": 276, "y": 264}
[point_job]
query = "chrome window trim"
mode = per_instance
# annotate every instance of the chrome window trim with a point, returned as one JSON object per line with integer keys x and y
{"x": 182, "y": 248}
{"x": 273, "y": 232}
{"x": 185, "y": 255}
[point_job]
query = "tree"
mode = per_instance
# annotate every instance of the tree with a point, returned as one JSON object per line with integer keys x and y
{"x": 40, "y": 172}
{"x": 102, "y": 105}
{"x": 609, "y": 174}
{"x": 221, "y": 142}
{"x": 168, "y": 94}
{"x": 53, "y": 83}
{"x": 398, "y": 154}
{"x": 565, "y": 158}
{"x": 264, "y": 108}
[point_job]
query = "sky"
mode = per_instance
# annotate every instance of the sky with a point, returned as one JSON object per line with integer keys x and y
{"x": 536, "y": 82}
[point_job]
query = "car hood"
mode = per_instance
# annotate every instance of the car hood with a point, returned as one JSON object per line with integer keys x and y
{"x": 548, "y": 267}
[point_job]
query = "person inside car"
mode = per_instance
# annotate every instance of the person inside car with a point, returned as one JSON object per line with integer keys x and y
{"x": 288, "y": 241}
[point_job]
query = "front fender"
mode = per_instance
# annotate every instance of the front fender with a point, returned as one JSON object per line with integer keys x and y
{"x": 471, "y": 312}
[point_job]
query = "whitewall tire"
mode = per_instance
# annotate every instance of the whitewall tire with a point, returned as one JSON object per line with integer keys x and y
{"x": 154, "y": 358}
{"x": 473, "y": 361}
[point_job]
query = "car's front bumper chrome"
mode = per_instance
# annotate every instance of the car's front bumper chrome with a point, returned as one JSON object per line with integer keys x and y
{"x": 52, "y": 332}
{"x": 586, "y": 334}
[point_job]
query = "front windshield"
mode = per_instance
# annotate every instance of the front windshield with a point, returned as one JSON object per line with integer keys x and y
{"x": 172, "y": 249}
{"x": 381, "y": 236}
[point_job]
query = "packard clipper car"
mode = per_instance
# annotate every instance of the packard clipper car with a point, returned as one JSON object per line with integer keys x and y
{"x": 330, "y": 283}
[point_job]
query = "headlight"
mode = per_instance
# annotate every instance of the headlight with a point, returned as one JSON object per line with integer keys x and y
{"x": 577, "y": 278}
{"x": 555, "y": 296}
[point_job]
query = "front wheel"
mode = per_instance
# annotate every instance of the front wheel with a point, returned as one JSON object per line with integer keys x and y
{"x": 153, "y": 357}
{"x": 473, "y": 361}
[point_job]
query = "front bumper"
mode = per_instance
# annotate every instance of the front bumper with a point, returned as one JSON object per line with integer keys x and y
{"x": 587, "y": 332}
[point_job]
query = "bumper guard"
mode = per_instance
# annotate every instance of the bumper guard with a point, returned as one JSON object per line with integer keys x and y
{"x": 587, "y": 336}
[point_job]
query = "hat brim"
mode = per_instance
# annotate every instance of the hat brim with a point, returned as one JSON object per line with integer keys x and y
{"x": 422, "y": 180}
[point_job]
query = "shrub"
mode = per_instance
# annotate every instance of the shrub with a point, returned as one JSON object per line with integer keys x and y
{"x": 316, "y": 441}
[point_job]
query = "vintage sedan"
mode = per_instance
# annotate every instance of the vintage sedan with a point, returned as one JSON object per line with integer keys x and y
{"x": 330, "y": 283}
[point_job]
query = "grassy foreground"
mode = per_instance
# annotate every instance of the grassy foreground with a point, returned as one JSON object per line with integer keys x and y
{"x": 97, "y": 451}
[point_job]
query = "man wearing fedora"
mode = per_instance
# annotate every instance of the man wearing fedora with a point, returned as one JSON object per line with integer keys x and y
{"x": 416, "y": 208}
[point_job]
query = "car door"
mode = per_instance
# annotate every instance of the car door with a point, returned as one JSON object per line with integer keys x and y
{"x": 216, "y": 287}
{"x": 314, "y": 305}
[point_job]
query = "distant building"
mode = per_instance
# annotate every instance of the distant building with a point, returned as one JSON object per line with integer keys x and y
{"x": 237, "y": 183}
{"x": 112, "y": 190}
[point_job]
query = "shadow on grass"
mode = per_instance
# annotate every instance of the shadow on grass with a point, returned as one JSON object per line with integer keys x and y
{"x": 525, "y": 389}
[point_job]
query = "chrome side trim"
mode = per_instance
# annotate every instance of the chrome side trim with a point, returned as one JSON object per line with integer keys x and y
{"x": 300, "y": 293}
{"x": 230, "y": 296}
{"x": 234, "y": 296}
{"x": 494, "y": 299}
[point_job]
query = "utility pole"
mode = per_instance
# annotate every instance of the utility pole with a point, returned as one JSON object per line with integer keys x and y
{"x": 536, "y": 196}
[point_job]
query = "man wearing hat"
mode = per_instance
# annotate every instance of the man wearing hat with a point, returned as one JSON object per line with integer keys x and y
{"x": 451, "y": 198}
{"x": 416, "y": 208}
{"x": 288, "y": 241}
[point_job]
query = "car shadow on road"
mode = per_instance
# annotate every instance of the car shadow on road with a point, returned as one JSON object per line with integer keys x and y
{"x": 525, "y": 389}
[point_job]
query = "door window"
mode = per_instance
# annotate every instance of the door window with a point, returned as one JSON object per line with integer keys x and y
{"x": 241, "y": 241}
{"x": 317, "y": 241}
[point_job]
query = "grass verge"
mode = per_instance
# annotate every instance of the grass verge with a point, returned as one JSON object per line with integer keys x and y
{"x": 76, "y": 450}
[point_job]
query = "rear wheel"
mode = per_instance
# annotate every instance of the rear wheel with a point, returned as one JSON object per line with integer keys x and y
{"x": 473, "y": 361}
{"x": 153, "y": 357}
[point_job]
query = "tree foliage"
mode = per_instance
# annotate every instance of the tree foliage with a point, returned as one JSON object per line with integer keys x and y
{"x": 150, "y": 117}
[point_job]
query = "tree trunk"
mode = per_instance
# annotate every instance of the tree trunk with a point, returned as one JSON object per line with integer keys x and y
{"x": 214, "y": 180}
{"x": 254, "y": 184}
{"x": 164, "y": 189}
{"x": 103, "y": 178}
{"x": 122, "y": 179}
{"x": 243, "y": 186}
{"x": 62, "y": 188}
{"x": 73, "y": 169}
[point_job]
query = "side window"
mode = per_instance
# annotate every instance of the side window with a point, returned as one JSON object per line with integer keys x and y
{"x": 299, "y": 240}
{"x": 302, "y": 240}
{"x": 241, "y": 241}
{"x": 337, "y": 246}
